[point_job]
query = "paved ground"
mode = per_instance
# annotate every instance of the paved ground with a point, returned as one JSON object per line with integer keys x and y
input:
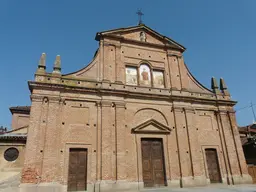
{"x": 212, "y": 188}
{"x": 237, "y": 188}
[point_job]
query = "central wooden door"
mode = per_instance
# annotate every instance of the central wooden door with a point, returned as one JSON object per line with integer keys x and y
{"x": 77, "y": 171}
{"x": 213, "y": 165}
{"x": 153, "y": 162}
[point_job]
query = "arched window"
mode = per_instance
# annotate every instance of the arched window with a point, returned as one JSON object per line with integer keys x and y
{"x": 145, "y": 75}
{"x": 131, "y": 76}
{"x": 158, "y": 78}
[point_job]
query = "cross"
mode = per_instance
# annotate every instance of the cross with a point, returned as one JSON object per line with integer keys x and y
{"x": 139, "y": 13}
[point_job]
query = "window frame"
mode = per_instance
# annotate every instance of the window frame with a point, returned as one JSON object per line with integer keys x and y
{"x": 152, "y": 69}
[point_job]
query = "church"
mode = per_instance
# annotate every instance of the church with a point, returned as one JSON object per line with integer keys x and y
{"x": 134, "y": 118}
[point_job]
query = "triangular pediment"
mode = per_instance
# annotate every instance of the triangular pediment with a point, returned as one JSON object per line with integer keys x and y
{"x": 133, "y": 33}
{"x": 151, "y": 126}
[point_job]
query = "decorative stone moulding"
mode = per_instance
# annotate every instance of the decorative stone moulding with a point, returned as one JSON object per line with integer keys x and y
{"x": 151, "y": 126}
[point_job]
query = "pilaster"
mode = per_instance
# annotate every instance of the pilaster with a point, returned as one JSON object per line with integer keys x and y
{"x": 245, "y": 178}
{"x": 183, "y": 147}
{"x": 195, "y": 147}
{"x": 229, "y": 145}
{"x": 227, "y": 171}
{"x": 51, "y": 154}
{"x": 174, "y": 71}
{"x": 183, "y": 73}
{"x": 172, "y": 150}
{"x": 108, "y": 141}
{"x": 120, "y": 70}
{"x": 61, "y": 147}
{"x": 101, "y": 63}
{"x": 99, "y": 141}
{"x": 33, "y": 159}
{"x": 167, "y": 75}
{"x": 120, "y": 141}
{"x": 109, "y": 62}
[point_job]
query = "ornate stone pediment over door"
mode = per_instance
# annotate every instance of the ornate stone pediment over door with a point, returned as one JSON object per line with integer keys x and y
{"x": 151, "y": 126}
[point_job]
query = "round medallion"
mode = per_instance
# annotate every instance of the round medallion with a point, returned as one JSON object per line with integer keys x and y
{"x": 11, "y": 154}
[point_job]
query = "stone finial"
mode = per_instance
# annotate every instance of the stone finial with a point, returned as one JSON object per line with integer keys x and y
{"x": 223, "y": 87}
{"x": 215, "y": 86}
{"x": 41, "y": 64}
{"x": 57, "y": 65}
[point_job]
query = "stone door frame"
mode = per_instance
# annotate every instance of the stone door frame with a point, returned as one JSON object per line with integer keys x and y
{"x": 138, "y": 138}
{"x": 66, "y": 161}
{"x": 219, "y": 157}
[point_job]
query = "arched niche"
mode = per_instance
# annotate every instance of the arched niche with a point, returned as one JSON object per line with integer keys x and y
{"x": 145, "y": 75}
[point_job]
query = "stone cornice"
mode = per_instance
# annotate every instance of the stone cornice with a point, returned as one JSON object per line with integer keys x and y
{"x": 54, "y": 99}
{"x": 140, "y": 92}
{"x": 106, "y": 43}
{"x": 122, "y": 39}
{"x": 20, "y": 109}
{"x": 174, "y": 54}
{"x": 178, "y": 109}
{"x": 225, "y": 112}
{"x": 36, "y": 98}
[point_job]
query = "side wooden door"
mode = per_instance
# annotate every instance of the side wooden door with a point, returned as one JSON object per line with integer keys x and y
{"x": 252, "y": 172}
{"x": 153, "y": 163}
{"x": 213, "y": 165}
{"x": 77, "y": 171}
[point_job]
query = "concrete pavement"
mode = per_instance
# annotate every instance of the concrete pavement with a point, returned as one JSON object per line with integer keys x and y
{"x": 210, "y": 188}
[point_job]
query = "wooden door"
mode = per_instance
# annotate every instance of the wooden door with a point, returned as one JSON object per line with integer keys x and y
{"x": 153, "y": 162}
{"x": 77, "y": 171}
{"x": 213, "y": 165}
{"x": 252, "y": 172}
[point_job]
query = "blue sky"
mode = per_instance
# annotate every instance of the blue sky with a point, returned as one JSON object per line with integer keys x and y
{"x": 220, "y": 38}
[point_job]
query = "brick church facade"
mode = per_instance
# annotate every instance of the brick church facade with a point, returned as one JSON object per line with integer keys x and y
{"x": 134, "y": 118}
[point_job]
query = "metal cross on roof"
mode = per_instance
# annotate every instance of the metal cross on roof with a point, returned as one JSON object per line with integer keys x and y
{"x": 139, "y": 13}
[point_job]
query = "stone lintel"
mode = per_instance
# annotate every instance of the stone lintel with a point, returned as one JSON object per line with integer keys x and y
{"x": 120, "y": 104}
{"x": 190, "y": 110}
{"x": 106, "y": 104}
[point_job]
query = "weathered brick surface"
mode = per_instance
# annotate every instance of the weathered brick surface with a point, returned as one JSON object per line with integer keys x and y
{"x": 94, "y": 109}
{"x": 19, "y": 120}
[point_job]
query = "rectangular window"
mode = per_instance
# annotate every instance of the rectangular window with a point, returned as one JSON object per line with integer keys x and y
{"x": 131, "y": 76}
{"x": 158, "y": 79}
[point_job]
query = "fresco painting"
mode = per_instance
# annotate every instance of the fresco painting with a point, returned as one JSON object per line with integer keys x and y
{"x": 131, "y": 76}
{"x": 145, "y": 76}
{"x": 158, "y": 78}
